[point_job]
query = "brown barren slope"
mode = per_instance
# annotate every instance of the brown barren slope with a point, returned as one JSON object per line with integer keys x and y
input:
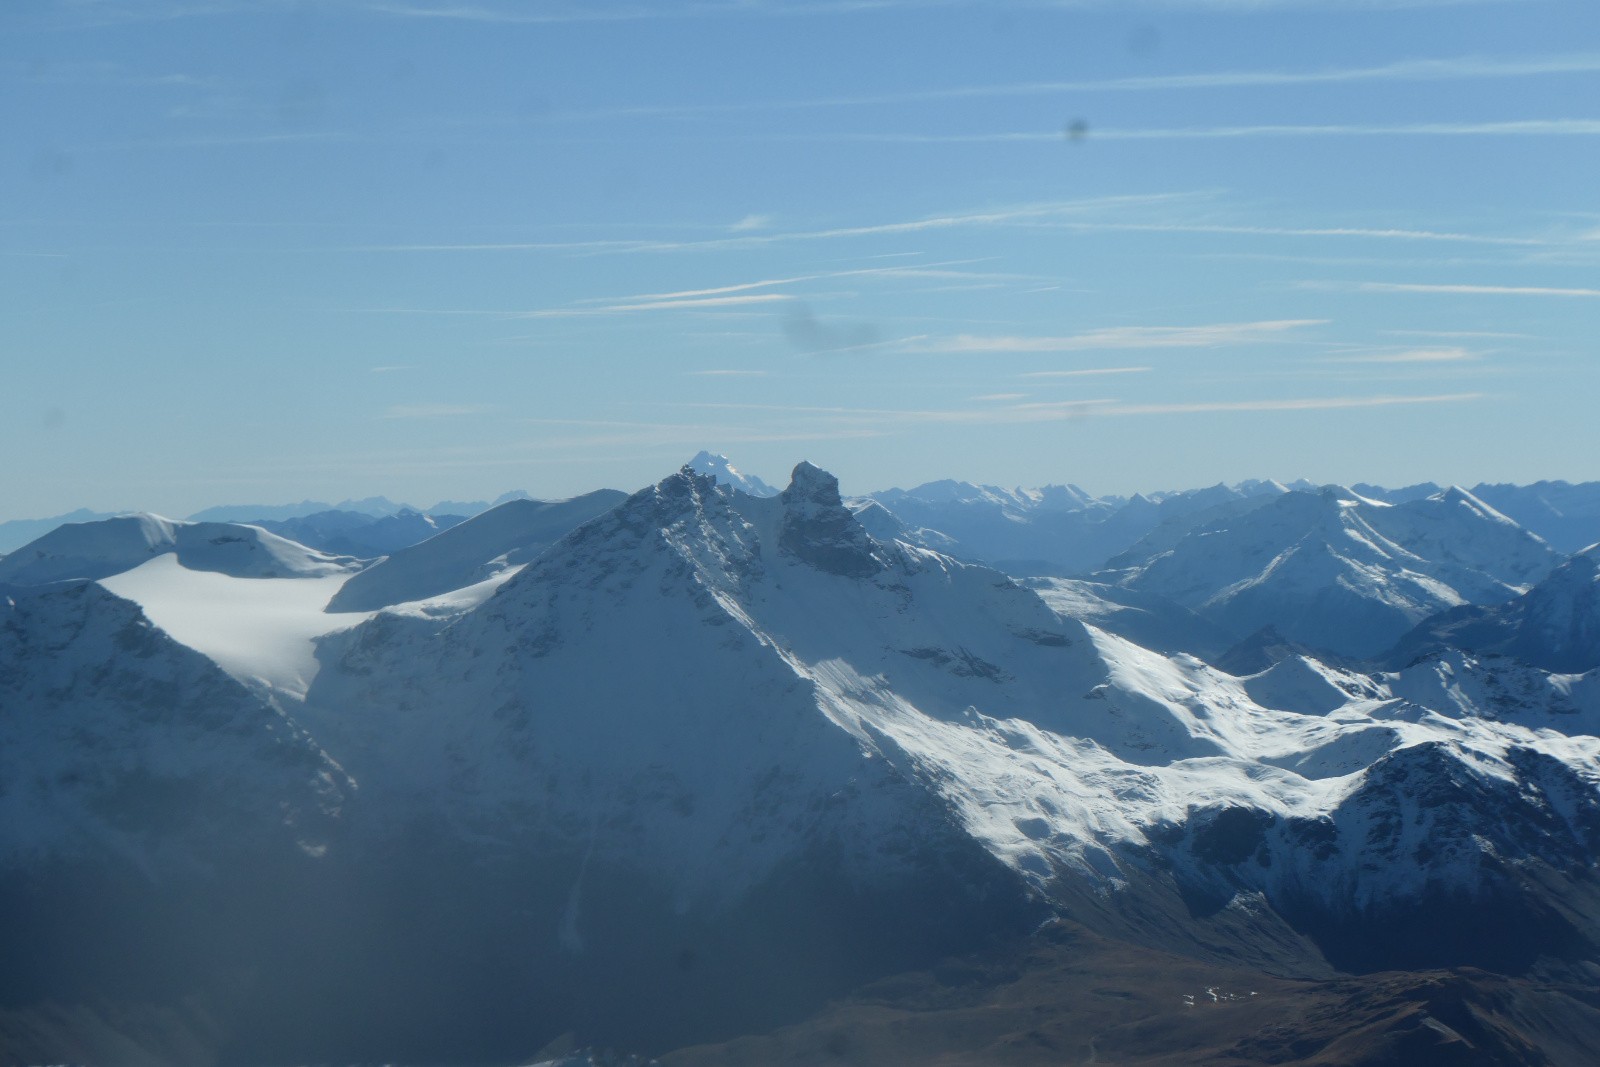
{"x": 1069, "y": 996}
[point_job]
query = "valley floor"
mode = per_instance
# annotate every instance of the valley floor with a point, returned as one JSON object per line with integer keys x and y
{"x": 1069, "y": 996}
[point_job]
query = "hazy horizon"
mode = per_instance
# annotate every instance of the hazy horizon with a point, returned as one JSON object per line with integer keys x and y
{"x": 776, "y": 479}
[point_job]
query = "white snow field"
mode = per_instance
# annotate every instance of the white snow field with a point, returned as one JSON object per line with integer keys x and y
{"x": 262, "y": 631}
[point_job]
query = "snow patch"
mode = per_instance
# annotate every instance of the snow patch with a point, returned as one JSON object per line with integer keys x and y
{"x": 262, "y": 631}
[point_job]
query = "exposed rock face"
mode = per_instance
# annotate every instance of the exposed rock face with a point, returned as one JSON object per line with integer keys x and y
{"x": 819, "y": 529}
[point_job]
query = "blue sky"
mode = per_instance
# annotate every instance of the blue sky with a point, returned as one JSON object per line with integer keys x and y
{"x": 260, "y": 251}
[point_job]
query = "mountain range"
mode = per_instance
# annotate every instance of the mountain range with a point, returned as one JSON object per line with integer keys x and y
{"x": 1291, "y": 774}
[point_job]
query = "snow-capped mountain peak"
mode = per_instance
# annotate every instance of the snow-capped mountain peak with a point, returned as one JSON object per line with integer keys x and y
{"x": 1339, "y": 570}
{"x": 718, "y": 467}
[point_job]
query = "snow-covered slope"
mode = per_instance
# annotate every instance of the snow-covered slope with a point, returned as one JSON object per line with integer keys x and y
{"x": 502, "y": 538}
{"x": 1566, "y": 515}
{"x": 111, "y": 546}
{"x": 1339, "y": 571}
{"x": 1146, "y": 619}
{"x": 164, "y": 831}
{"x": 117, "y": 743}
{"x": 260, "y": 630}
{"x": 1419, "y": 491}
{"x": 1555, "y": 625}
{"x": 884, "y": 525}
{"x": 1055, "y": 529}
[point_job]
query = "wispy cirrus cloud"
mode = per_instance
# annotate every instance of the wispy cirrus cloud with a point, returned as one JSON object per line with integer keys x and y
{"x": 1314, "y": 403}
{"x": 1091, "y": 215}
{"x": 1560, "y": 127}
{"x": 500, "y": 16}
{"x": 941, "y": 270}
{"x": 678, "y": 304}
{"x": 1086, "y": 372}
{"x": 1556, "y": 127}
{"x": 1364, "y": 232}
{"x": 1490, "y": 335}
{"x": 508, "y": 14}
{"x": 1071, "y": 410}
{"x": 1470, "y": 290}
{"x": 524, "y": 14}
{"x": 1016, "y": 215}
{"x": 611, "y": 432}
{"x": 1412, "y": 355}
{"x": 737, "y": 294}
{"x": 1412, "y": 70}
{"x": 1116, "y": 337}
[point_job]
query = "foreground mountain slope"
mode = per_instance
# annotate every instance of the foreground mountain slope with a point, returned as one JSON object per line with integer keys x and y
{"x": 105, "y": 719}
{"x": 157, "y": 820}
{"x": 1067, "y": 995}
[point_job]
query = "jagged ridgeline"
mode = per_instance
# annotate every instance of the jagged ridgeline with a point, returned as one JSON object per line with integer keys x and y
{"x": 662, "y": 770}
